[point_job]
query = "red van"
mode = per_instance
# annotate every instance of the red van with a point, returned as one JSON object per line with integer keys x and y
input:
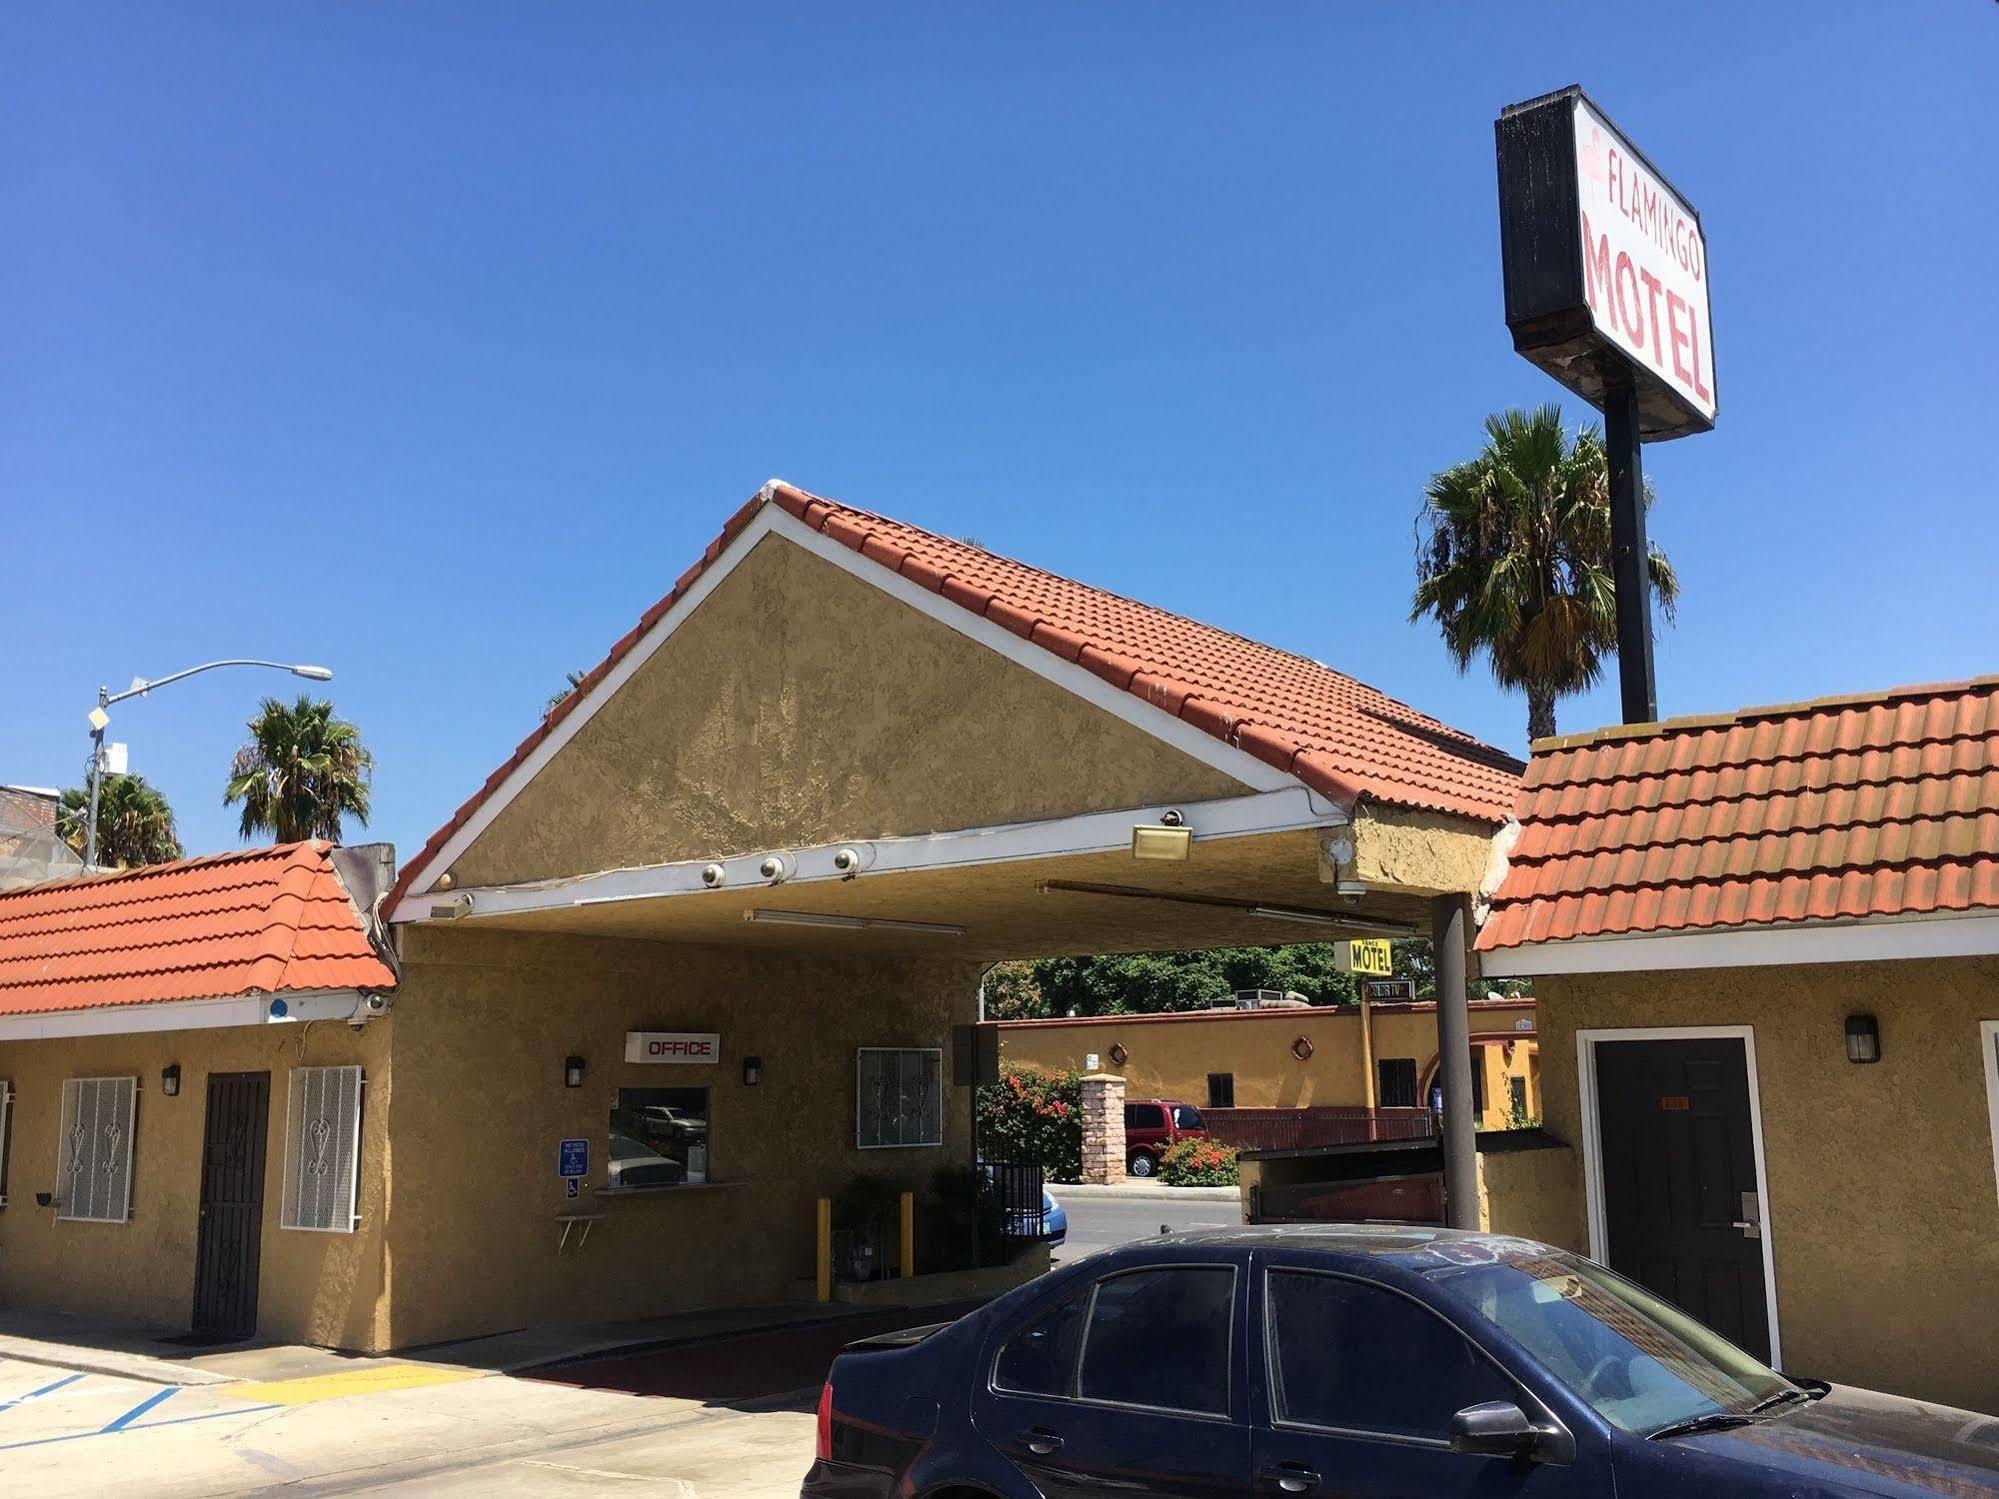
{"x": 1152, "y": 1124}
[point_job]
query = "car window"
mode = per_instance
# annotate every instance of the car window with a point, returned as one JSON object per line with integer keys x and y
{"x": 1358, "y": 1357}
{"x": 1161, "y": 1338}
{"x": 1156, "y": 1338}
{"x": 1640, "y": 1362}
{"x": 1186, "y": 1116}
{"x": 1041, "y": 1358}
{"x": 1144, "y": 1116}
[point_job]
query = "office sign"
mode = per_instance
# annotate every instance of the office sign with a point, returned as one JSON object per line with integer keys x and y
{"x": 696, "y": 1047}
{"x": 1605, "y": 264}
{"x": 1374, "y": 957}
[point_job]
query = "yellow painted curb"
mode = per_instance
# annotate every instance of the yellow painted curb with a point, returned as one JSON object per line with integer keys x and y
{"x": 373, "y": 1381}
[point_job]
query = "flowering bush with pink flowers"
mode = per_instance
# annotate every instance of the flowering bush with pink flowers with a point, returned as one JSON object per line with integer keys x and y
{"x": 1034, "y": 1114}
{"x": 1198, "y": 1163}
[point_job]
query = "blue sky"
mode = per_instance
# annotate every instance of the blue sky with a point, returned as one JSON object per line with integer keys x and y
{"x": 433, "y": 342}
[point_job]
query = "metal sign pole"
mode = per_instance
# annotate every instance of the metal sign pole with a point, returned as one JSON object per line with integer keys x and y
{"x": 1630, "y": 553}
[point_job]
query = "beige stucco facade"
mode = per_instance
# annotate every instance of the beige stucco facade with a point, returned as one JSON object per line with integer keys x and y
{"x": 330, "y": 1288}
{"x": 1884, "y": 1211}
{"x": 800, "y": 705}
{"x": 1170, "y": 1056}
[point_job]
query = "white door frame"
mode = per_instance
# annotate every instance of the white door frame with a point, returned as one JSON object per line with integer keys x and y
{"x": 1586, "y": 1043}
{"x": 1988, "y": 1047}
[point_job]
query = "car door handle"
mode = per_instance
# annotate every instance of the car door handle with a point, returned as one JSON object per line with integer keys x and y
{"x": 1040, "y": 1441}
{"x": 1292, "y": 1478}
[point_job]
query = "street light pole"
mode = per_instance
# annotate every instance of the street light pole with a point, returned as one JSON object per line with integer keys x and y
{"x": 101, "y": 720}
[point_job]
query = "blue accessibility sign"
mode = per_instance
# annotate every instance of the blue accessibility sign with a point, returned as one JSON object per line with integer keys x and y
{"x": 572, "y": 1158}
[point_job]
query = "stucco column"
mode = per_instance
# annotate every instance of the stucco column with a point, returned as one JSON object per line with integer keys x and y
{"x": 1449, "y": 927}
{"x": 1103, "y": 1129}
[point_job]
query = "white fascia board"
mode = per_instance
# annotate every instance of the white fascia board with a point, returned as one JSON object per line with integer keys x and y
{"x": 145, "y": 1016}
{"x": 774, "y": 518}
{"x": 1948, "y": 936}
{"x": 1280, "y": 811}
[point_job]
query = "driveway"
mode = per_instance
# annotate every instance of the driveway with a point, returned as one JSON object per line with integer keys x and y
{"x": 1103, "y": 1222}
{"x": 723, "y": 1416}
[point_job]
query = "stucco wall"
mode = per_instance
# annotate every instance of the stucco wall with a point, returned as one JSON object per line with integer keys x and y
{"x": 1883, "y": 1211}
{"x": 1171, "y": 1056}
{"x": 799, "y": 705}
{"x": 485, "y": 1021}
{"x": 1399, "y": 848}
{"x": 313, "y": 1287}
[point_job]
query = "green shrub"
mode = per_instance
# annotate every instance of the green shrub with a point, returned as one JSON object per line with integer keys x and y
{"x": 1198, "y": 1163}
{"x": 1034, "y": 1115}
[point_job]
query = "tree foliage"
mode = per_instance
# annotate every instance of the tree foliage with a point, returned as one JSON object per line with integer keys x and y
{"x": 1513, "y": 559}
{"x": 1144, "y": 983}
{"x": 135, "y": 825}
{"x": 302, "y": 771}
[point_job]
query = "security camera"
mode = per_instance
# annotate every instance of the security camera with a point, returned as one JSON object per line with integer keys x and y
{"x": 1172, "y": 817}
{"x": 847, "y": 860}
{"x": 713, "y": 875}
{"x": 774, "y": 869}
{"x": 377, "y": 1004}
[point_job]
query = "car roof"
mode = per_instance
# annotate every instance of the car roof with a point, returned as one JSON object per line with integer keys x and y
{"x": 1411, "y": 1244}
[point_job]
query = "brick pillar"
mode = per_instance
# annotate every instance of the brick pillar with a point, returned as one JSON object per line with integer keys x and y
{"x": 1103, "y": 1129}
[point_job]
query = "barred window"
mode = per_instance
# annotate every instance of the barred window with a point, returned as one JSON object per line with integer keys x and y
{"x": 94, "y": 1150}
{"x": 323, "y": 1149}
{"x": 900, "y": 1097}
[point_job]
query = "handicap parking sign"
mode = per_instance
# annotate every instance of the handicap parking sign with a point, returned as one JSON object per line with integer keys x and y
{"x": 572, "y": 1159}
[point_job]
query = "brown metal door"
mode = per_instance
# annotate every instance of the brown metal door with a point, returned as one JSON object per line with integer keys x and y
{"x": 230, "y": 1239}
{"x": 1681, "y": 1214}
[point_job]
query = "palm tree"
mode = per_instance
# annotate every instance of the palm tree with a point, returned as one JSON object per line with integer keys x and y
{"x": 134, "y": 823}
{"x": 302, "y": 771}
{"x": 1513, "y": 559}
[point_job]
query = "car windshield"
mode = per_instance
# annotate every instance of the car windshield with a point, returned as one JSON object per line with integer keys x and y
{"x": 1640, "y": 1362}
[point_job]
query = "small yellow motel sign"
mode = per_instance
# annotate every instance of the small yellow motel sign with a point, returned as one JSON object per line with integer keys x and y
{"x": 1373, "y": 958}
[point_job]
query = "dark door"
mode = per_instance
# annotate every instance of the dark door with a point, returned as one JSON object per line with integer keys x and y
{"x": 230, "y": 1238}
{"x": 1680, "y": 1209}
{"x": 1359, "y": 1386}
{"x": 1132, "y": 1386}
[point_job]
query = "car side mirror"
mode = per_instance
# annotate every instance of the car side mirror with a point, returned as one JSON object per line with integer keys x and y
{"x": 1499, "y": 1428}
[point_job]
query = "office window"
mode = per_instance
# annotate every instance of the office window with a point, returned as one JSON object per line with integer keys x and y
{"x": 94, "y": 1150}
{"x": 323, "y": 1149}
{"x": 1221, "y": 1090}
{"x": 1356, "y": 1357}
{"x": 899, "y": 1097}
{"x": 659, "y": 1137}
{"x": 1395, "y": 1082}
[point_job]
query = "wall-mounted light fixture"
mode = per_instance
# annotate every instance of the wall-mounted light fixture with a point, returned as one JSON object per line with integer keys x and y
{"x": 1168, "y": 841}
{"x": 753, "y": 1071}
{"x": 1302, "y": 1048}
{"x": 170, "y": 1080}
{"x": 573, "y": 1069}
{"x": 1863, "y": 1039}
{"x": 1119, "y": 1056}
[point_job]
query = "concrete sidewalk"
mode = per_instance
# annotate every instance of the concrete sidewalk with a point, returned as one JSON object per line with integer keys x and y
{"x": 1142, "y": 1191}
{"x": 139, "y": 1352}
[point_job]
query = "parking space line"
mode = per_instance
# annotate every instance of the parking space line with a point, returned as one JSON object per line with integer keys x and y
{"x": 67, "y": 1379}
{"x": 117, "y": 1428}
{"x": 141, "y": 1408}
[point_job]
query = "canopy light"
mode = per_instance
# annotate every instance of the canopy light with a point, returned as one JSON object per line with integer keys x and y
{"x": 851, "y": 923}
{"x": 1165, "y": 843}
{"x": 1287, "y": 913}
{"x": 1223, "y": 903}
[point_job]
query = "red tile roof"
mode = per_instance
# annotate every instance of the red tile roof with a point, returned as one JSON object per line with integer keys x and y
{"x": 1337, "y": 735}
{"x": 262, "y": 921}
{"x": 1879, "y": 805}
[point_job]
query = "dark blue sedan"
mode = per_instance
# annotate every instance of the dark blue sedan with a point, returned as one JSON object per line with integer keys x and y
{"x": 1363, "y": 1363}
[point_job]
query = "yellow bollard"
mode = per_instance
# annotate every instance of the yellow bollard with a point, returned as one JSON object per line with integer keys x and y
{"x": 825, "y": 1249}
{"x": 908, "y": 1234}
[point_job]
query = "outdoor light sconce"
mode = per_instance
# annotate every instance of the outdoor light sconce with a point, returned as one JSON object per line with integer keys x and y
{"x": 170, "y": 1080}
{"x": 1863, "y": 1039}
{"x": 1302, "y": 1048}
{"x": 1119, "y": 1056}
{"x": 753, "y": 1071}
{"x": 572, "y": 1072}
